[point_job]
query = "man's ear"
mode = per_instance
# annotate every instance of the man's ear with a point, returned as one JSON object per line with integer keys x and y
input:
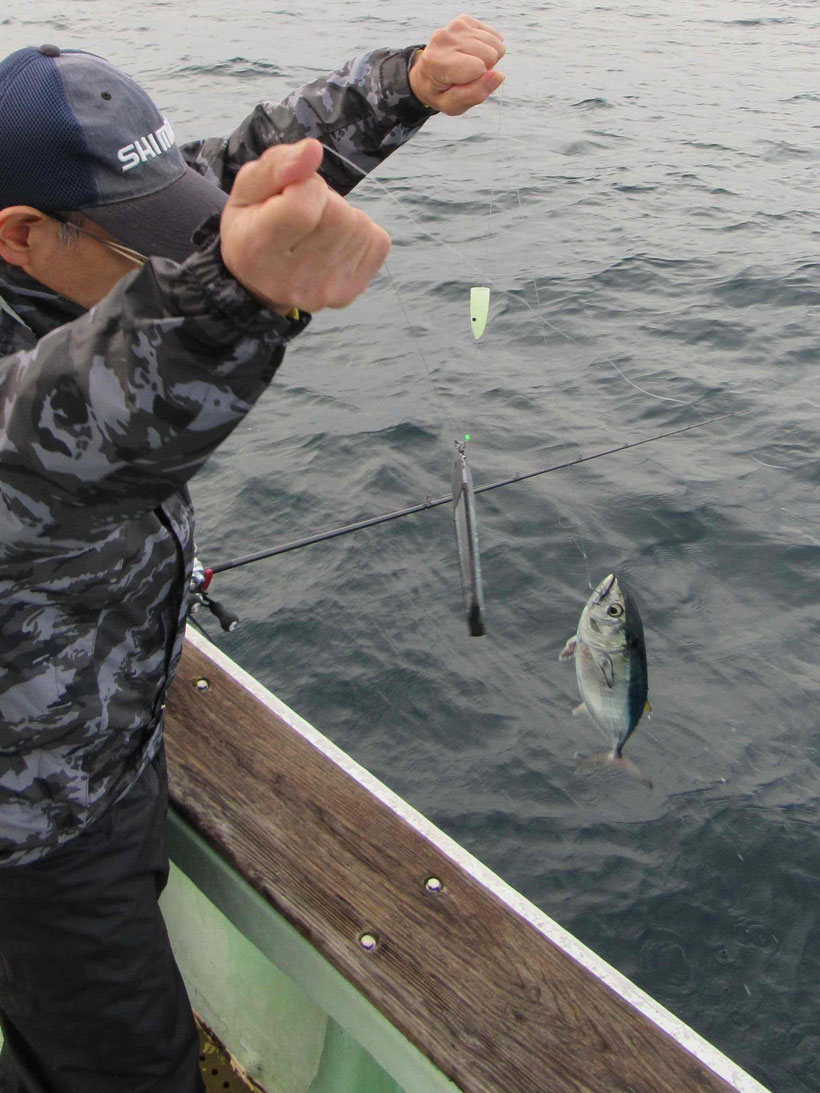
{"x": 20, "y": 233}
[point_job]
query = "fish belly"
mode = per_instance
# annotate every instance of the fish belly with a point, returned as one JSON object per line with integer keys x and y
{"x": 608, "y": 706}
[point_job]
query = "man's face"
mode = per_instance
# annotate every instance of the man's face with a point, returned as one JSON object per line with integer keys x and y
{"x": 82, "y": 269}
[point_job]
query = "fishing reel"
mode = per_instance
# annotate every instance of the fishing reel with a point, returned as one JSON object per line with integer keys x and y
{"x": 198, "y": 588}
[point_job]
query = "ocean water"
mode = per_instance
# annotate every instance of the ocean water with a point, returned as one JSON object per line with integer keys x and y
{"x": 644, "y": 201}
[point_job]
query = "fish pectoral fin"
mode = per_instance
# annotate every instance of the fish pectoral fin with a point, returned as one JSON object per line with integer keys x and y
{"x": 569, "y": 649}
{"x": 647, "y": 709}
{"x": 608, "y": 759}
{"x": 604, "y": 662}
{"x": 579, "y": 709}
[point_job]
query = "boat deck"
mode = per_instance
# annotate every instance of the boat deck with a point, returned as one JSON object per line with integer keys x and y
{"x": 217, "y": 1072}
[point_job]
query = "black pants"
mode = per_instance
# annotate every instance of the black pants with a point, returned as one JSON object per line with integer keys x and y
{"x": 91, "y": 1000}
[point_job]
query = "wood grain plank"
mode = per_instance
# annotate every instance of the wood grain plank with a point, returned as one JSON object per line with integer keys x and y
{"x": 490, "y": 1000}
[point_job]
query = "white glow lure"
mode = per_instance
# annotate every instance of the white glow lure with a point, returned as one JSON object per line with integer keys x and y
{"x": 467, "y": 541}
{"x": 479, "y": 306}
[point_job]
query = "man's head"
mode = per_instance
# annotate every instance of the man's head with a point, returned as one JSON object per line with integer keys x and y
{"x": 79, "y": 135}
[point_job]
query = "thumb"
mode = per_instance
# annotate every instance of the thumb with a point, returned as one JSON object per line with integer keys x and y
{"x": 278, "y": 167}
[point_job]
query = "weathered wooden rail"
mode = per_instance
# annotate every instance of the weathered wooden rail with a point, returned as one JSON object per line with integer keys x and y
{"x": 495, "y": 994}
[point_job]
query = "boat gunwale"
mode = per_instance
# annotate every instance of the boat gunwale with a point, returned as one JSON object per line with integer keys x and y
{"x": 691, "y": 1042}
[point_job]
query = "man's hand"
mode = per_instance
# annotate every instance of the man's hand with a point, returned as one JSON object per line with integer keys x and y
{"x": 456, "y": 69}
{"x": 291, "y": 240}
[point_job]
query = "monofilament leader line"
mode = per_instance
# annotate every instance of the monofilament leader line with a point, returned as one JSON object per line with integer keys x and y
{"x": 431, "y": 503}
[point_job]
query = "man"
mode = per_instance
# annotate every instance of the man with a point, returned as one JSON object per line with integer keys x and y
{"x": 142, "y": 313}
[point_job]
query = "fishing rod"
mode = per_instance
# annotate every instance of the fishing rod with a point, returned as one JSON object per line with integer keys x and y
{"x": 431, "y": 503}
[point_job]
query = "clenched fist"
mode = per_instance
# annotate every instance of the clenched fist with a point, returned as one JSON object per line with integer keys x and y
{"x": 291, "y": 240}
{"x": 456, "y": 69}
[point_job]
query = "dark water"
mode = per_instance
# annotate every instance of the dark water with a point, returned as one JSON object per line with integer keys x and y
{"x": 644, "y": 204}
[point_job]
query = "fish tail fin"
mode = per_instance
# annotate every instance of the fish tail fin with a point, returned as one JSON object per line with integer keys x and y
{"x": 611, "y": 759}
{"x": 633, "y": 769}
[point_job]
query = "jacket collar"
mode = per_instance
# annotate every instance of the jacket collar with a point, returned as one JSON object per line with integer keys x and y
{"x": 39, "y": 308}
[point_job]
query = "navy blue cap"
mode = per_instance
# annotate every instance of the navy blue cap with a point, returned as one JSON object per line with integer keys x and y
{"x": 79, "y": 135}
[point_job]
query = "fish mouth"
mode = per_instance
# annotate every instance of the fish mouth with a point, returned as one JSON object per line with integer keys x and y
{"x": 604, "y": 588}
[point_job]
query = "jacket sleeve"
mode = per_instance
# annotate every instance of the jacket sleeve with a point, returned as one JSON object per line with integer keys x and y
{"x": 364, "y": 111}
{"x": 110, "y": 414}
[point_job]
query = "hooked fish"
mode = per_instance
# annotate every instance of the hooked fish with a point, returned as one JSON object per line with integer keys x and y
{"x": 610, "y": 663}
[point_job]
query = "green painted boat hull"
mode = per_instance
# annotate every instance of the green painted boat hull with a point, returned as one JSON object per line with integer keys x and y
{"x": 288, "y": 1018}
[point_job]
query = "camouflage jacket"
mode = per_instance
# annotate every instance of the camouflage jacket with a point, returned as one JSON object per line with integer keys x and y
{"x": 104, "y": 417}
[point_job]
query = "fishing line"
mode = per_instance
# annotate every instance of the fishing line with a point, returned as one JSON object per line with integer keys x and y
{"x": 9, "y": 310}
{"x": 771, "y": 466}
{"x": 419, "y": 350}
{"x": 565, "y": 524}
{"x": 781, "y": 466}
{"x": 573, "y": 341}
{"x": 544, "y": 324}
{"x": 495, "y": 174}
{"x": 466, "y": 533}
{"x": 503, "y": 292}
{"x": 465, "y": 524}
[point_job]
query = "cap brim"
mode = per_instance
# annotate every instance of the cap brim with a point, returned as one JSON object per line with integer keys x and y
{"x": 162, "y": 223}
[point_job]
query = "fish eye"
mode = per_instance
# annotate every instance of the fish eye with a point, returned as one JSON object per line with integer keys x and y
{"x": 615, "y": 610}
